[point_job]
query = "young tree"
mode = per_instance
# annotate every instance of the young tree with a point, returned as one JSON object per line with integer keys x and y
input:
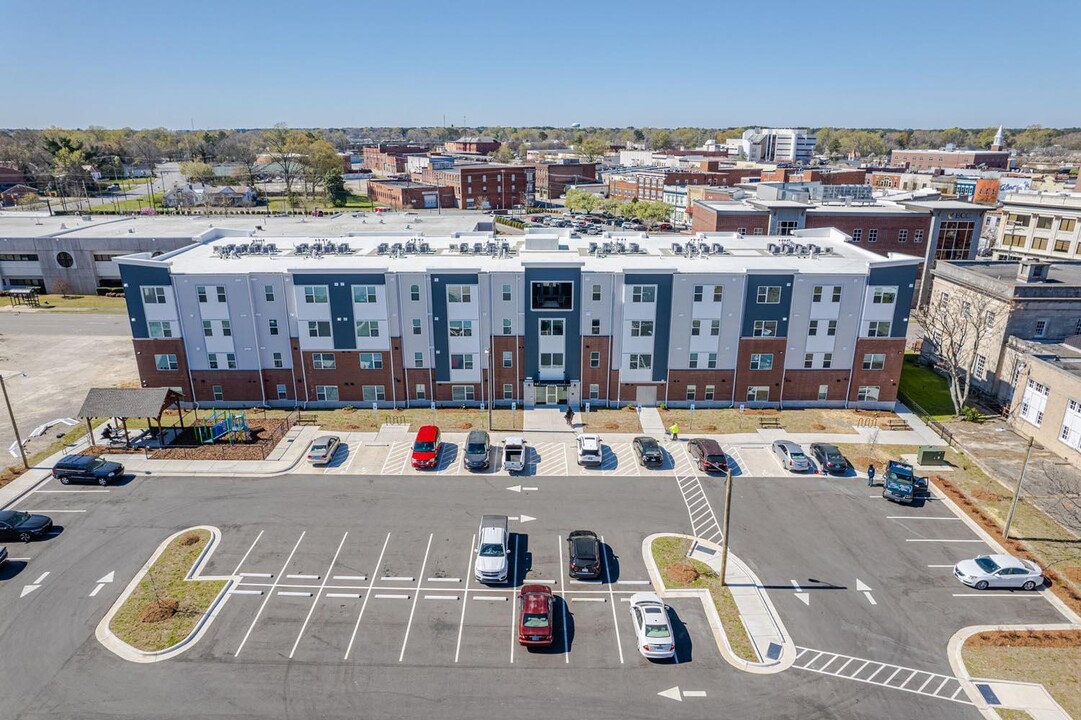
{"x": 199, "y": 172}
{"x": 580, "y": 200}
{"x": 504, "y": 154}
{"x": 957, "y": 324}
{"x": 284, "y": 149}
{"x": 652, "y": 212}
{"x": 334, "y": 191}
{"x": 594, "y": 147}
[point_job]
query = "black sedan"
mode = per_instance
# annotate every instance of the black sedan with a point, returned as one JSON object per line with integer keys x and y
{"x": 829, "y": 457}
{"x": 23, "y": 526}
{"x": 648, "y": 451}
{"x": 584, "y": 550}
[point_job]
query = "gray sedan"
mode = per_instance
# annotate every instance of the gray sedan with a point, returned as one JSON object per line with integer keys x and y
{"x": 998, "y": 571}
{"x": 323, "y": 448}
{"x": 791, "y": 456}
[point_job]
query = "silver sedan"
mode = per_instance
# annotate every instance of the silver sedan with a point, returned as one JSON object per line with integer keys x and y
{"x": 998, "y": 571}
{"x": 323, "y": 448}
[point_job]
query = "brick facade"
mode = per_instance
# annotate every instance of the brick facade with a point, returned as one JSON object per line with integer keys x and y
{"x": 145, "y": 350}
{"x": 721, "y": 380}
{"x": 885, "y": 379}
{"x": 706, "y": 219}
{"x": 896, "y": 232}
{"x": 552, "y": 178}
{"x": 402, "y": 195}
{"x": 745, "y": 377}
{"x": 803, "y": 385}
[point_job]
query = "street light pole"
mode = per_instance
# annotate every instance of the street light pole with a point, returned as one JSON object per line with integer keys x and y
{"x": 14, "y": 426}
{"x": 724, "y": 528}
{"x": 1017, "y": 492}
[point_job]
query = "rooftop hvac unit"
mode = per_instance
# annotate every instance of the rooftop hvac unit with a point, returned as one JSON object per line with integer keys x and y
{"x": 633, "y": 247}
{"x": 411, "y": 246}
{"x": 677, "y": 248}
{"x": 621, "y": 247}
{"x": 271, "y": 247}
{"x": 383, "y": 248}
{"x": 789, "y": 249}
{"x": 506, "y": 246}
{"x": 397, "y": 247}
{"x": 593, "y": 248}
{"x": 218, "y": 249}
{"x": 302, "y": 248}
{"x": 703, "y": 248}
{"x": 343, "y": 248}
{"x": 607, "y": 248}
{"x": 811, "y": 247}
{"x": 230, "y": 249}
{"x": 491, "y": 248}
{"x": 478, "y": 248}
{"x": 772, "y": 248}
{"x": 463, "y": 248}
{"x": 425, "y": 247}
{"x": 718, "y": 249}
{"x": 801, "y": 249}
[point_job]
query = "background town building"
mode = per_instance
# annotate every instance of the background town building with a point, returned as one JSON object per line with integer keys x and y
{"x": 1039, "y": 225}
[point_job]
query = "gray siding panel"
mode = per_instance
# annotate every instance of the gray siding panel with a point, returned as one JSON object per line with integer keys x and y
{"x": 753, "y": 311}
{"x": 904, "y": 277}
{"x": 440, "y": 326}
{"x": 663, "y": 322}
{"x": 573, "y": 317}
{"x": 135, "y": 277}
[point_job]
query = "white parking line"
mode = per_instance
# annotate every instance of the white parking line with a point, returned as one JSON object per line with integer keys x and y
{"x": 384, "y": 596}
{"x": 317, "y": 595}
{"x": 588, "y": 599}
{"x": 303, "y": 577}
{"x": 496, "y": 598}
{"x": 409, "y": 625}
{"x": 633, "y": 582}
{"x": 355, "y": 596}
{"x": 943, "y": 540}
{"x": 940, "y": 566}
{"x": 256, "y": 575}
{"x": 367, "y": 595}
{"x": 563, "y": 594}
{"x": 351, "y": 577}
{"x": 512, "y": 577}
{"x": 921, "y": 517}
{"x": 294, "y": 593}
{"x": 238, "y": 591}
{"x": 11, "y": 559}
{"x": 440, "y": 597}
{"x": 1024, "y": 595}
{"x": 397, "y": 578}
{"x": 441, "y": 579}
{"x": 65, "y": 492}
{"x": 608, "y": 578}
{"x": 48, "y": 511}
{"x": 243, "y": 559}
{"x": 465, "y": 596}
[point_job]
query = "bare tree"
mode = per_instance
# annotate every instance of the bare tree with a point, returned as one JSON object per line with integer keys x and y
{"x": 284, "y": 149}
{"x": 958, "y": 324}
{"x": 1064, "y": 489}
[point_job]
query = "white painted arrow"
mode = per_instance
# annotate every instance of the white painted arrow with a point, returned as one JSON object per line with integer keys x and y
{"x": 803, "y": 597}
{"x": 515, "y": 488}
{"x": 672, "y": 694}
{"x": 522, "y": 518}
{"x": 108, "y": 578}
{"x": 27, "y": 589}
{"x": 863, "y": 588}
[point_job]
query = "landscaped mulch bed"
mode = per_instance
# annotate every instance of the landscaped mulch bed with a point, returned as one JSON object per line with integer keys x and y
{"x": 257, "y": 450}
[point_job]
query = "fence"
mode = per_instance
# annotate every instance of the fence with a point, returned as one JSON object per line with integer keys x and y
{"x": 926, "y": 417}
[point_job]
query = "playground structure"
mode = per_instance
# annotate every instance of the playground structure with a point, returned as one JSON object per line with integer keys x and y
{"x": 223, "y": 426}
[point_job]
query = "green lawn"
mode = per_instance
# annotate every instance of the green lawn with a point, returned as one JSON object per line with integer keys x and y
{"x": 927, "y": 388}
{"x": 352, "y": 203}
{"x": 74, "y": 304}
{"x": 128, "y": 205}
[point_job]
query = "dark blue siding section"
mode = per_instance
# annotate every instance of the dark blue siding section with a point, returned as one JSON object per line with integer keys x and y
{"x": 440, "y": 326}
{"x": 135, "y": 277}
{"x": 572, "y": 325}
{"x": 904, "y": 277}
{"x": 340, "y": 294}
{"x": 753, "y": 311}
{"x": 663, "y": 319}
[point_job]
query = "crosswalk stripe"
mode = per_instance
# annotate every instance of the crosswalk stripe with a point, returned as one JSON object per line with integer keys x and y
{"x": 886, "y": 672}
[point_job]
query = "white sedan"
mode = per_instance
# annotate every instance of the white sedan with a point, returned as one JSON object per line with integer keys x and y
{"x": 998, "y": 571}
{"x": 651, "y": 626}
{"x": 323, "y": 448}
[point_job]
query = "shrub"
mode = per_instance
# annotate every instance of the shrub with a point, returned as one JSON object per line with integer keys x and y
{"x": 971, "y": 414}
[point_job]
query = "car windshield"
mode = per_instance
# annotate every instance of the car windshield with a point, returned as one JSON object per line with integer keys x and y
{"x": 423, "y": 446}
{"x": 535, "y": 620}
{"x": 986, "y": 564}
{"x": 14, "y": 517}
{"x": 491, "y": 550}
{"x": 98, "y": 462}
{"x": 657, "y": 631}
{"x": 474, "y": 448}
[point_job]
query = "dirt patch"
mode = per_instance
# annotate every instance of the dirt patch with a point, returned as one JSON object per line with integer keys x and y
{"x": 681, "y": 573}
{"x": 611, "y": 426}
{"x": 986, "y": 495}
{"x": 1027, "y": 638}
{"x": 189, "y": 539}
{"x": 160, "y": 610}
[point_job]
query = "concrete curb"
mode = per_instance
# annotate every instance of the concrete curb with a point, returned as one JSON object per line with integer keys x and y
{"x": 956, "y": 645}
{"x": 788, "y": 653}
{"x": 120, "y": 648}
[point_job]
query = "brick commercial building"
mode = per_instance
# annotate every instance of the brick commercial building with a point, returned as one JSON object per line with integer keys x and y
{"x": 931, "y": 159}
{"x": 409, "y": 195}
{"x": 648, "y": 184}
{"x": 826, "y": 176}
{"x": 477, "y": 145}
{"x": 390, "y": 158}
{"x": 483, "y": 186}
{"x": 552, "y": 179}
{"x": 718, "y": 320}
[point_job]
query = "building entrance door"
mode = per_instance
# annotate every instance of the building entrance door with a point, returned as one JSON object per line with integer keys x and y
{"x": 552, "y": 395}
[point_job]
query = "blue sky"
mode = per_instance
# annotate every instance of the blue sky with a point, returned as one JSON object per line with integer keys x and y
{"x": 330, "y": 64}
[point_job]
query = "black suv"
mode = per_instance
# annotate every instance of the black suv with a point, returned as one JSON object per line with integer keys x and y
{"x": 87, "y": 469}
{"x": 708, "y": 455}
{"x": 648, "y": 451}
{"x": 585, "y": 555}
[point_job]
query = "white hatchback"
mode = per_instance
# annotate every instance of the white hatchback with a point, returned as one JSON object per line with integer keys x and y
{"x": 652, "y": 627}
{"x": 590, "y": 449}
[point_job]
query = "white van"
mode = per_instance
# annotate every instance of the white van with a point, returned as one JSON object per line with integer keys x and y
{"x": 492, "y": 564}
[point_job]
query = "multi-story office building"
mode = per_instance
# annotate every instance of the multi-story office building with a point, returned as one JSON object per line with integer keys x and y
{"x": 245, "y": 318}
{"x": 1039, "y": 226}
{"x": 936, "y": 159}
{"x": 481, "y": 186}
{"x": 782, "y": 145}
{"x": 552, "y": 179}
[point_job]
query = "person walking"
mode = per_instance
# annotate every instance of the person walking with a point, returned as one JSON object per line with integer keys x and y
{"x": 674, "y": 430}
{"x": 569, "y": 415}
{"x": 870, "y": 475}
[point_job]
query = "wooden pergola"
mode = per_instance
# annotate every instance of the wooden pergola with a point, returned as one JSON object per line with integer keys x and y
{"x": 124, "y": 403}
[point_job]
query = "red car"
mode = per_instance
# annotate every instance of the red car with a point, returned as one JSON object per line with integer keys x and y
{"x": 535, "y": 616}
{"x": 426, "y": 447}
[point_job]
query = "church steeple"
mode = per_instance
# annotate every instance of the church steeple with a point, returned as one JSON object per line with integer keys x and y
{"x": 998, "y": 142}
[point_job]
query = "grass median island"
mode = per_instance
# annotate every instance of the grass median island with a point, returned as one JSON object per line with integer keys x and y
{"x": 679, "y": 571}
{"x": 1049, "y": 657}
{"x": 164, "y": 608}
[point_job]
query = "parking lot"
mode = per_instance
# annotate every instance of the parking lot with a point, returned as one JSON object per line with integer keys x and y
{"x": 356, "y": 593}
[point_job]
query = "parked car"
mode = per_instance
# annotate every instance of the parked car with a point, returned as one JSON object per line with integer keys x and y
{"x": 426, "y": 447}
{"x": 478, "y": 450}
{"x": 535, "y": 616}
{"x": 652, "y": 627}
{"x": 514, "y": 454}
{"x": 584, "y": 555}
{"x": 901, "y": 484}
{"x": 493, "y": 547}
{"x": 590, "y": 449}
{"x": 829, "y": 457}
{"x": 323, "y": 448}
{"x": 708, "y": 455}
{"x": 998, "y": 571}
{"x": 3, "y": 555}
{"x": 791, "y": 456}
{"x": 663, "y": 227}
{"x": 22, "y": 526}
{"x": 647, "y": 450}
{"x": 87, "y": 469}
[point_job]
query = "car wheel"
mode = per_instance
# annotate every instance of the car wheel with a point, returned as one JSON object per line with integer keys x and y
{"x": 1029, "y": 585}
{"x": 103, "y": 481}
{"x": 24, "y": 537}
{"x": 64, "y": 480}
{"x": 982, "y": 585}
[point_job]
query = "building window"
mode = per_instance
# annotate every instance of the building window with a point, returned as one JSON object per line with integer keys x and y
{"x": 155, "y": 296}
{"x": 816, "y": 294}
{"x": 283, "y": 392}
{"x": 226, "y": 328}
{"x": 867, "y": 393}
{"x": 218, "y": 394}
{"x": 902, "y": 235}
{"x": 461, "y": 328}
{"x": 371, "y": 361}
{"x": 414, "y": 293}
{"x": 596, "y": 293}
{"x": 200, "y": 293}
{"x": 917, "y": 236}
{"x": 758, "y": 231}
{"x": 827, "y": 360}
{"x": 872, "y": 235}
{"x": 741, "y": 230}
{"x": 765, "y": 328}
{"x": 163, "y": 329}
{"x": 212, "y": 360}
{"x": 594, "y": 359}
{"x": 268, "y": 293}
{"x": 1070, "y": 433}
{"x": 980, "y": 367}
{"x": 508, "y": 391}
{"x": 552, "y": 328}
{"x": 507, "y": 327}
{"x": 460, "y": 293}
{"x": 506, "y": 293}
{"x": 230, "y": 361}
{"x": 508, "y": 358}
{"x": 318, "y": 328}
{"x": 762, "y": 361}
{"x": 812, "y": 327}
{"x": 551, "y": 361}
{"x": 857, "y": 235}
{"x": 711, "y": 390}
{"x": 461, "y": 393}
{"x": 835, "y": 296}
{"x": 874, "y": 361}
{"x": 1066, "y": 224}
{"x": 552, "y": 296}
{"x": 416, "y": 327}
{"x": 696, "y": 327}
{"x": 786, "y": 227}
{"x": 373, "y": 393}
{"x": 641, "y": 328}
{"x": 823, "y": 392}
{"x": 714, "y": 327}
{"x": 1041, "y": 327}
{"x": 718, "y": 293}
{"x": 698, "y": 290}
{"x": 808, "y": 361}
{"x": 315, "y": 294}
{"x": 277, "y": 360}
{"x": 758, "y": 393}
{"x": 692, "y": 392}
{"x": 420, "y": 390}
{"x": 166, "y": 362}
{"x": 831, "y": 328}
{"x": 367, "y": 328}
{"x": 364, "y": 294}
{"x": 880, "y": 328}
{"x": 1033, "y": 402}
{"x": 595, "y": 327}
{"x": 594, "y": 391}
{"x": 326, "y": 393}
{"x": 208, "y": 328}
{"x": 769, "y": 295}
{"x": 418, "y": 359}
{"x": 461, "y": 361}
{"x": 885, "y": 296}
{"x": 639, "y": 361}
{"x": 643, "y": 293}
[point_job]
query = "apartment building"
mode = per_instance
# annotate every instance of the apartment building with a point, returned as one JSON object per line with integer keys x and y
{"x": 553, "y": 178}
{"x": 1037, "y": 225}
{"x": 388, "y": 158}
{"x": 717, "y": 320}
{"x": 649, "y": 183}
{"x": 483, "y": 186}
{"x": 932, "y": 159}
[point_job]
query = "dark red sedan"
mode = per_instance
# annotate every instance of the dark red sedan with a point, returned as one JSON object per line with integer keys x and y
{"x": 535, "y": 616}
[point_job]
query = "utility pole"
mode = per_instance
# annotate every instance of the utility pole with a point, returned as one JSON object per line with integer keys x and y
{"x": 14, "y": 426}
{"x": 724, "y": 527}
{"x": 1017, "y": 492}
